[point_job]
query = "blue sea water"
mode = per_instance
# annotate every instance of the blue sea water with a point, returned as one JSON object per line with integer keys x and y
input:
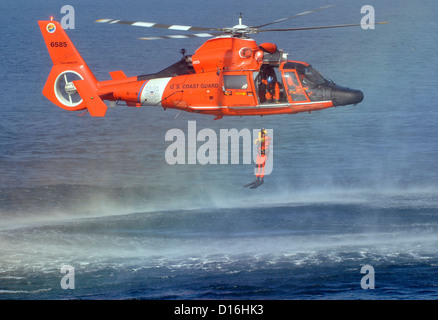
{"x": 351, "y": 186}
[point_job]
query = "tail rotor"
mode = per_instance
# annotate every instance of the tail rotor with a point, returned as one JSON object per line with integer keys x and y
{"x": 65, "y": 90}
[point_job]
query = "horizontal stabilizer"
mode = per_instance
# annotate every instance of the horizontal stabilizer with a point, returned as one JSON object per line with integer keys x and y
{"x": 118, "y": 75}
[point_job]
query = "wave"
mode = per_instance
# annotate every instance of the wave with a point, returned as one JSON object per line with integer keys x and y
{"x": 2, "y": 291}
{"x": 216, "y": 252}
{"x": 24, "y": 205}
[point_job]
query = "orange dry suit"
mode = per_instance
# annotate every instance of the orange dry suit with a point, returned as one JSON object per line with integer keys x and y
{"x": 263, "y": 142}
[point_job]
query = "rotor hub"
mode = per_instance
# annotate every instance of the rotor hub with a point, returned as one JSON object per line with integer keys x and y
{"x": 70, "y": 88}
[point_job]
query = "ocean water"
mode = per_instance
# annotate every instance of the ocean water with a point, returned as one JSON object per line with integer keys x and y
{"x": 351, "y": 186}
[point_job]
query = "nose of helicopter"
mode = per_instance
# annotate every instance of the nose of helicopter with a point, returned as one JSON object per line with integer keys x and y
{"x": 342, "y": 96}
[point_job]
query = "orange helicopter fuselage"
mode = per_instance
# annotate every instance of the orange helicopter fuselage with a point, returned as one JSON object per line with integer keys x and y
{"x": 225, "y": 77}
{"x": 221, "y": 82}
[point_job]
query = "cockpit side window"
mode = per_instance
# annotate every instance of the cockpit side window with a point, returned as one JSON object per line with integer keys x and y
{"x": 294, "y": 88}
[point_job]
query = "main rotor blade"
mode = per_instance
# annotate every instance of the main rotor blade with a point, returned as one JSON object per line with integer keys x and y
{"x": 297, "y": 15}
{"x": 178, "y": 36}
{"x": 156, "y": 25}
{"x": 321, "y": 27}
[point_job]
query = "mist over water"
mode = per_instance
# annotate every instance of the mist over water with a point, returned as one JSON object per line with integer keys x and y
{"x": 213, "y": 252}
{"x": 350, "y": 186}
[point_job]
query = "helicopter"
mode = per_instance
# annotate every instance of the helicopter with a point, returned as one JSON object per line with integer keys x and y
{"x": 228, "y": 75}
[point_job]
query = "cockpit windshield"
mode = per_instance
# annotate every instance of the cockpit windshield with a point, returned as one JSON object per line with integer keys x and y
{"x": 303, "y": 82}
{"x": 308, "y": 76}
{"x": 311, "y": 77}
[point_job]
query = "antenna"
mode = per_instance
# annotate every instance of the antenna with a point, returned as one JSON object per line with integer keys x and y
{"x": 182, "y": 51}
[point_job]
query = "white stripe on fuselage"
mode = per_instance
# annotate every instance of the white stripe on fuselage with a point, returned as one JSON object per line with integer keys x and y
{"x": 152, "y": 92}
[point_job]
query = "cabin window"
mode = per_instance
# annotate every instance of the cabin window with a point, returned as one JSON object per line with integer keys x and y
{"x": 236, "y": 82}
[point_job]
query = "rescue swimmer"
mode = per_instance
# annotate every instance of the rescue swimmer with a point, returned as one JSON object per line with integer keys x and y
{"x": 262, "y": 142}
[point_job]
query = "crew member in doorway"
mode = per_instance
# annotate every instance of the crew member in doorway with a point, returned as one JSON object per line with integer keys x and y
{"x": 272, "y": 90}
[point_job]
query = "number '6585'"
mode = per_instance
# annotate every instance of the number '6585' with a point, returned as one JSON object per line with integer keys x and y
{"x": 58, "y": 44}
